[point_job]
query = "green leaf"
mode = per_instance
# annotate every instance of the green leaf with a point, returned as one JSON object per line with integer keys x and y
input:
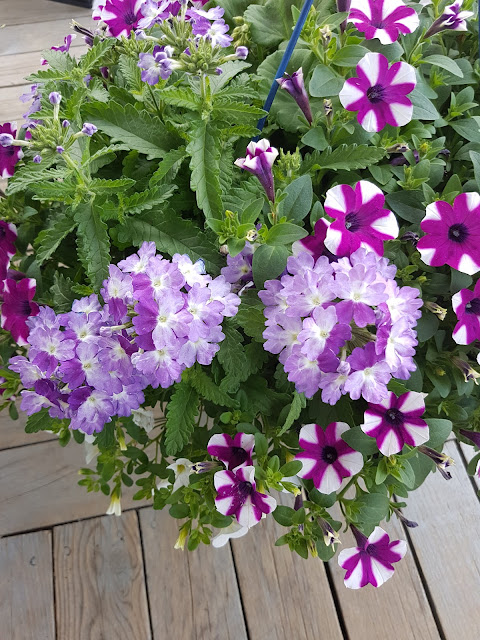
{"x": 360, "y": 441}
{"x": 182, "y": 411}
{"x": 171, "y": 234}
{"x": 284, "y": 515}
{"x": 181, "y": 97}
{"x": 147, "y": 199}
{"x": 131, "y": 74}
{"x": 101, "y": 186}
{"x": 56, "y": 191}
{"x": 298, "y": 403}
{"x": 169, "y": 161}
{"x": 251, "y": 320}
{"x": 423, "y": 108}
{"x": 33, "y": 174}
{"x": 62, "y": 293}
{"x": 346, "y": 156}
{"x": 373, "y": 507}
{"x": 271, "y": 23}
{"x": 207, "y": 388}
{"x": 204, "y": 150}
{"x": 285, "y": 233}
{"x": 229, "y": 69}
{"x": 50, "y": 238}
{"x": 290, "y": 469}
{"x": 59, "y": 60}
{"x": 298, "y": 202}
{"x": 236, "y": 112}
{"x": 469, "y": 128}
{"x": 475, "y": 156}
{"x": 251, "y": 211}
{"x": 94, "y": 56}
{"x": 325, "y": 82}
{"x": 407, "y": 205}
{"x": 325, "y": 500}
{"x": 349, "y": 55}
{"x": 232, "y": 355}
{"x": 93, "y": 243}
{"x": 315, "y": 138}
{"x": 139, "y": 129}
{"x": 439, "y": 432}
{"x": 445, "y": 63}
{"x": 38, "y": 422}
{"x": 268, "y": 263}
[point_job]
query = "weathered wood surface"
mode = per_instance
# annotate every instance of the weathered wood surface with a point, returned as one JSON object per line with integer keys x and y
{"x": 283, "y": 595}
{"x": 14, "y": 69}
{"x": 12, "y": 432}
{"x": 447, "y": 544}
{"x": 37, "y": 11}
{"x": 192, "y": 595}
{"x": 26, "y": 587}
{"x": 99, "y": 580}
{"x": 39, "y": 488}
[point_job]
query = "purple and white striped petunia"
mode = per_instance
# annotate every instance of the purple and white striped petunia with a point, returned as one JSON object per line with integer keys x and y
{"x": 9, "y": 153}
{"x": 234, "y": 452}
{"x": 360, "y": 219}
{"x": 314, "y": 244}
{"x": 326, "y": 458}
{"x": 237, "y": 496}
{"x": 17, "y": 306}
{"x": 379, "y": 92}
{"x": 452, "y": 234}
{"x": 466, "y": 305}
{"x": 120, "y": 16}
{"x": 371, "y": 561}
{"x": 383, "y": 19}
{"x": 259, "y": 161}
{"x": 394, "y": 422}
{"x": 295, "y": 86}
{"x": 452, "y": 18}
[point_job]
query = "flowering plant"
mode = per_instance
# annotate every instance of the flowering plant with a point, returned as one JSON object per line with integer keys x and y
{"x": 222, "y": 314}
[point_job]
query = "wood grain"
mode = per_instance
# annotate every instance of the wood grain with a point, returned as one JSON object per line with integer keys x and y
{"x": 203, "y": 581}
{"x": 12, "y": 432}
{"x": 39, "y": 488}
{"x": 26, "y": 587}
{"x": 14, "y": 69}
{"x": 11, "y": 109}
{"x": 283, "y": 595}
{"x": 18, "y": 12}
{"x": 400, "y": 603}
{"x": 23, "y": 38}
{"x": 448, "y": 547}
{"x": 99, "y": 580}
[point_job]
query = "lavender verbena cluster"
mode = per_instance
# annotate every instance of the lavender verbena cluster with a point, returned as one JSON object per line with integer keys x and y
{"x": 344, "y": 327}
{"x": 157, "y": 318}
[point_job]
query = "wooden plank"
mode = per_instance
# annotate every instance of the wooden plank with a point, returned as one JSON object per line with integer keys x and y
{"x": 38, "y": 36}
{"x": 12, "y": 432}
{"x": 26, "y": 587}
{"x": 448, "y": 547}
{"x": 14, "y": 69}
{"x": 283, "y": 595}
{"x": 38, "y": 488}
{"x": 11, "y": 109}
{"x": 193, "y": 595}
{"x": 400, "y": 603}
{"x": 99, "y": 580}
{"x": 20, "y": 11}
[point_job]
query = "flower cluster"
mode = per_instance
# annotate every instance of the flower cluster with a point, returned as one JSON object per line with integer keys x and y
{"x": 320, "y": 316}
{"x": 158, "y": 318}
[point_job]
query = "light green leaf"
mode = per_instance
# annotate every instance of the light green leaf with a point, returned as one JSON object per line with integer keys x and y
{"x": 93, "y": 243}
{"x": 268, "y": 263}
{"x": 204, "y": 150}
{"x": 298, "y": 202}
{"x": 182, "y": 411}
{"x": 147, "y": 199}
{"x": 346, "y": 156}
{"x": 469, "y": 128}
{"x": 315, "y": 138}
{"x": 423, "y": 108}
{"x": 349, "y": 56}
{"x": 298, "y": 403}
{"x": 445, "y": 63}
{"x": 285, "y": 233}
{"x": 181, "y": 97}
{"x": 94, "y": 56}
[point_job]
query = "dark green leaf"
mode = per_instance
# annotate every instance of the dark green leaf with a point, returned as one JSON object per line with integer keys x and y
{"x": 182, "y": 411}
{"x": 93, "y": 243}
{"x": 284, "y": 515}
{"x": 298, "y": 201}
{"x": 204, "y": 150}
{"x": 325, "y": 83}
{"x": 268, "y": 263}
{"x": 49, "y": 239}
{"x": 439, "y": 432}
{"x": 298, "y": 403}
{"x": 346, "y": 156}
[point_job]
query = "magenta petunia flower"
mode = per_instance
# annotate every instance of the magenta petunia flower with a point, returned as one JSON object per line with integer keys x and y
{"x": 295, "y": 86}
{"x": 383, "y": 19}
{"x": 466, "y": 305}
{"x": 379, "y": 92}
{"x": 360, "y": 219}
{"x": 315, "y": 243}
{"x": 234, "y": 452}
{"x": 371, "y": 561}
{"x": 121, "y": 16}
{"x": 17, "y": 306}
{"x": 237, "y": 496}
{"x": 259, "y": 161}
{"x": 9, "y": 154}
{"x": 8, "y": 235}
{"x": 452, "y": 234}
{"x": 394, "y": 422}
{"x": 326, "y": 458}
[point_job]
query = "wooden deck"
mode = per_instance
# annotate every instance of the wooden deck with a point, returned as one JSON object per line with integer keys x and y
{"x": 68, "y": 572}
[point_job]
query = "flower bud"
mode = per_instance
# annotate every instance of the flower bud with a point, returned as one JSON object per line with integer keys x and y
{"x": 241, "y": 53}
{"x": 6, "y": 140}
{"x": 182, "y": 538}
{"x": 469, "y": 372}
{"x": 434, "y": 308}
{"x": 37, "y": 159}
{"x": 440, "y": 459}
{"x": 330, "y": 536}
{"x": 55, "y": 97}
{"x": 66, "y": 124}
{"x": 89, "y": 129}
{"x": 295, "y": 86}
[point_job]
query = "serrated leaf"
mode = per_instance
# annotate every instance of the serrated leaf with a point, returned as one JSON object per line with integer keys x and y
{"x": 59, "y": 60}
{"x": 50, "y": 238}
{"x": 147, "y": 199}
{"x": 33, "y": 174}
{"x": 140, "y": 130}
{"x": 208, "y": 389}
{"x": 131, "y": 73}
{"x": 57, "y": 191}
{"x": 169, "y": 161}
{"x": 171, "y": 234}
{"x": 93, "y": 57}
{"x": 232, "y": 355}
{"x": 182, "y": 411}
{"x": 100, "y": 185}
{"x": 252, "y": 321}
{"x": 271, "y": 23}
{"x": 62, "y": 293}
{"x": 298, "y": 403}
{"x": 38, "y": 422}
{"x": 229, "y": 70}
{"x": 346, "y": 156}
{"x": 236, "y": 112}
{"x": 93, "y": 243}
{"x": 182, "y": 97}
{"x": 204, "y": 150}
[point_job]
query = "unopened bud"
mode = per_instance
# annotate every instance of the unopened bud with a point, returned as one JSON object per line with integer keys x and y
{"x": 440, "y": 459}
{"x": 434, "y": 308}
{"x": 330, "y": 536}
{"x": 468, "y": 371}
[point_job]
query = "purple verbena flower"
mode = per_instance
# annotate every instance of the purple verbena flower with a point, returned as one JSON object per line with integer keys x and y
{"x": 55, "y": 98}
{"x": 138, "y": 262}
{"x": 156, "y": 65}
{"x": 322, "y": 331}
{"x": 369, "y": 375}
{"x": 234, "y": 452}
{"x": 239, "y": 268}
{"x": 48, "y": 347}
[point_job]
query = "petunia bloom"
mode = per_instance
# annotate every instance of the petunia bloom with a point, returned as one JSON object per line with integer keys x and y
{"x": 259, "y": 161}
{"x": 295, "y": 86}
{"x": 379, "y": 92}
{"x": 383, "y": 19}
{"x": 326, "y": 458}
{"x": 394, "y": 422}
{"x": 17, "y": 306}
{"x": 452, "y": 18}
{"x": 234, "y": 452}
{"x": 360, "y": 219}
{"x": 234, "y": 530}
{"x": 11, "y": 154}
{"x": 452, "y": 234}
{"x": 237, "y": 496}
{"x": 371, "y": 561}
{"x": 120, "y": 16}
{"x": 314, "y": 244}
{"x": 466, "y": 305}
